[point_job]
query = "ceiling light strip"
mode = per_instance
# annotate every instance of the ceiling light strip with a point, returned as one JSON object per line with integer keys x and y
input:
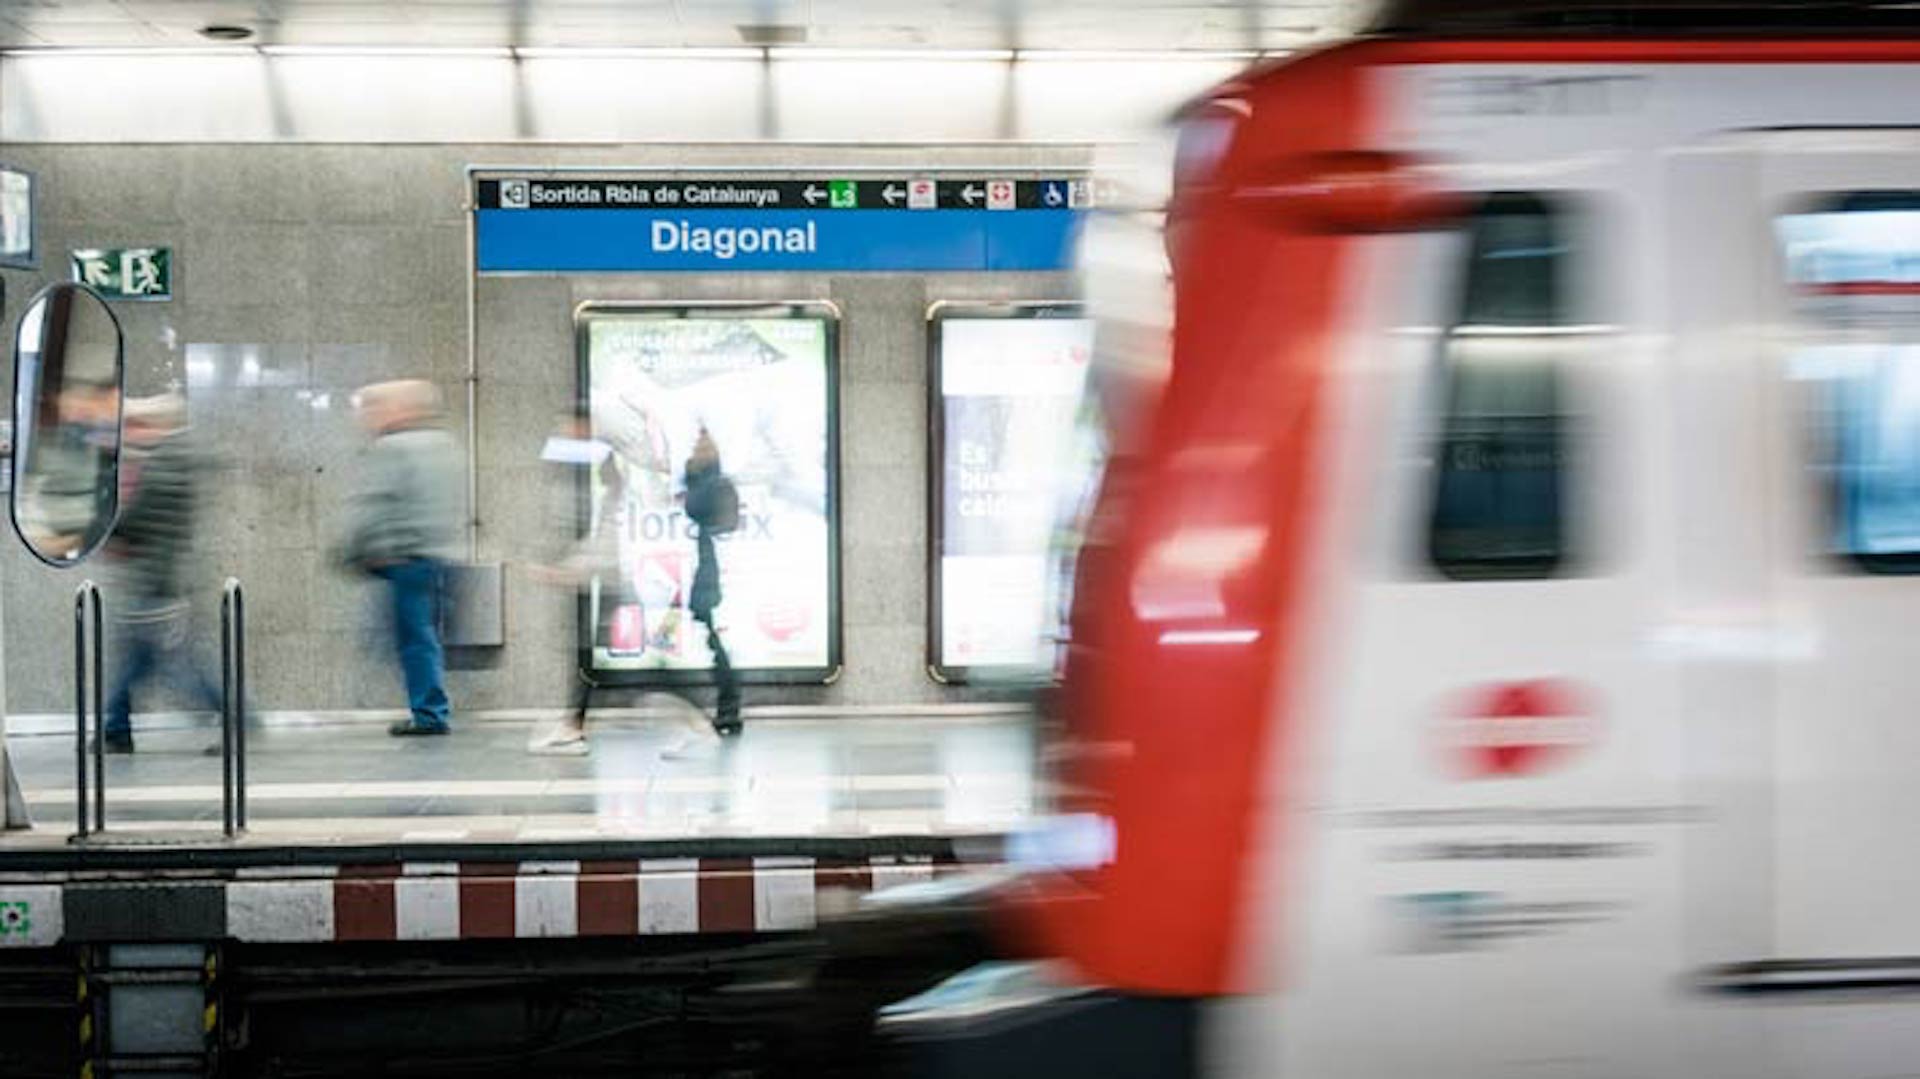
{"x": 124, "y": 51}
{"x": 356, "y": 51}
{"x": 1137, "y": 55}
{"x": 815, "y": 52}
{"x": 784, "y": 53}
{"x": 586, "y": 52}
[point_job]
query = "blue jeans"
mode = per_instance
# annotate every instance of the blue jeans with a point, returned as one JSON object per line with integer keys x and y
{"x": 150, "y": 645}
{"x": 414, "y": 587}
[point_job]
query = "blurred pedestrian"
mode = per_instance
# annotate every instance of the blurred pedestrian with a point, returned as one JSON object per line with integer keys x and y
{"x": 160, "y": 480}
{"x": 713, "y": 505}
{"x": 595, "y": 556}
{"x": 404, "y": 527}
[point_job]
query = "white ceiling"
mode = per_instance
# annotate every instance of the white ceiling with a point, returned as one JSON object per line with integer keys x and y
{"x": 935, "y": 24}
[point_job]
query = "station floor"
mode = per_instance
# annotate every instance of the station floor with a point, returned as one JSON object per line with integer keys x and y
{"x": 652, "y": 774}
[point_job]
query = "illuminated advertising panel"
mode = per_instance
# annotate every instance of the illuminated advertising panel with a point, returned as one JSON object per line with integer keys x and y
{"x": 1008, "y": 383}
{"x": 760, "y": 383}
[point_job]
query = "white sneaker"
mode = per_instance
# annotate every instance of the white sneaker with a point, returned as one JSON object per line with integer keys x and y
{"x": 559, "y": 740}
{"x": 690, "y": 747}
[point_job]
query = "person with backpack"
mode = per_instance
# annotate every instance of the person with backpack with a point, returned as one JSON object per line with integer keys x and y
{"x": 713, "y": 505}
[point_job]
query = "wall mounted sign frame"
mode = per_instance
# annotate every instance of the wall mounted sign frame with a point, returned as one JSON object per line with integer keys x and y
{"x": 635, "y": 223}
{"x": 1004, "y": 390}
{"x": 126, "y": 273}
{"x": 19, "y": 219}
{"x": 762, "y": 380}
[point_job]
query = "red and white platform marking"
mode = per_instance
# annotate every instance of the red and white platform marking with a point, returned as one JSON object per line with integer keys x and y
{"x": 502, "y": 900}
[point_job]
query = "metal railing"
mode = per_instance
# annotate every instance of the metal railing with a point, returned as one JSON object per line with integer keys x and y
{"x": 86, "y": 602}
{"x": 233, "y": 707}
{"x": 90, "y": 813}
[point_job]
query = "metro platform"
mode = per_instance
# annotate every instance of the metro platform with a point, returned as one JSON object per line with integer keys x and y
{"x": 354, "y": 835}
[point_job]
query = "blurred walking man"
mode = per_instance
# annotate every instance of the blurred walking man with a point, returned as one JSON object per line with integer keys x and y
{"x": 150, "y": 543}
{"x": 403, "y": 527}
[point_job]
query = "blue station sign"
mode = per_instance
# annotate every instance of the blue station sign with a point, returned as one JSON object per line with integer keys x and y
{"x": 733, "y": 225}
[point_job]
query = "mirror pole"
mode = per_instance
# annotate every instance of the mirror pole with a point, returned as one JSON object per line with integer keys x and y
{"x": 99, "y": 713}
{"x": 82, "y": 813}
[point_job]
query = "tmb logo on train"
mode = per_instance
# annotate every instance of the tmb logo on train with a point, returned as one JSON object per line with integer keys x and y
{"x": 1511, "y": 729}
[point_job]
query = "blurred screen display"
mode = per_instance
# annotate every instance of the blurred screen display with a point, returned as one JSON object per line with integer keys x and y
{"x": 1012, "y": 460}
{"x": 16, "y": 218}
{"x": 761, "y": 388}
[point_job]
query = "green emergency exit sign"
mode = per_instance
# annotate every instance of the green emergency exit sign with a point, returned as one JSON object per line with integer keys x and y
{"x": 126, "y": 273}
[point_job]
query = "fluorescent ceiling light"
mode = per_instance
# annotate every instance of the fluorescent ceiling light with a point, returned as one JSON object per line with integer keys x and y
{"x": 79, "y": 51}
{"x": 562, "y": 52}
{"x": 1144, "y": 56}
{"x": 803, "y": 53}
{"x": 500, "y": 52}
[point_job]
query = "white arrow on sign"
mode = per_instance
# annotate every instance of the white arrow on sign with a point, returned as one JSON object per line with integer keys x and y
{"x": 813, "y": 194}
{"x": 971, "y": 194}
{"x": 891, "y": 194}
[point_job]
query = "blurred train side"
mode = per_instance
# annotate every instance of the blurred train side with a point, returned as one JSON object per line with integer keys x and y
{"x": 1628, "y": 795}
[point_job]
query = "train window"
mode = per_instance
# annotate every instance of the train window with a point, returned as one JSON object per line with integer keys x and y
{"x": 1499, "y": 465}
{"x": 1853, "y": 263}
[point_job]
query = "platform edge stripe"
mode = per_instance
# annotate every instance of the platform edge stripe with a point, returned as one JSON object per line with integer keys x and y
{"x": 546, "y": 905}
{"x": 32, "y": 915}
{"x": 426, "y": 908}
{"x": 785, "y": 898}
{"x": 607, "y": 901}
{"x": 122, "y": 910}
{"x": 838, "y": 886}
{"x": 888, "y": 873}
{"x": 726, "y": 888}
{"x": 849, "y": 875}
{"x": 363, "y": 909}
{"x": 369, "y": 870}
{"x": 286, "y": 872}
{"x": 542, "y": 868}
{"x": 280, "y": 911}
{"x": 610, "y": 867}
{"x": 430, "y": 869}
{"x": 669, "y": 902}
{"x": 488, "y": 907}
{"x": 669, "y": 865}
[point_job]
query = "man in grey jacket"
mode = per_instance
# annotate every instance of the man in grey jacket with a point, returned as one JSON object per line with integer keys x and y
{"x": 404, "y": 527}
{"x": 150, "y": 544}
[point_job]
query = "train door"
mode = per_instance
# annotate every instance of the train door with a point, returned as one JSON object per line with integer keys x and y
{"x": 1842, "y": 370}
{"x": 1485, "y": 877}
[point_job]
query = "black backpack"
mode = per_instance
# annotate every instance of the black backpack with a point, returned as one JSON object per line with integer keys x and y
{"x": 715, "y": 506}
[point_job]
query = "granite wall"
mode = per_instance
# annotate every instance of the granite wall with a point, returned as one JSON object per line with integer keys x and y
{"x": 304, "y": 271}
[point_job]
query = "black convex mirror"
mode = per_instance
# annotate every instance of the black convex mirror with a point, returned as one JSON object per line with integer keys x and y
{"x": 68, "y": 366}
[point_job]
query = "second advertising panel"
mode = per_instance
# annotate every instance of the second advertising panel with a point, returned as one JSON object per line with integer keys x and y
{"x": 1010, "y": 469}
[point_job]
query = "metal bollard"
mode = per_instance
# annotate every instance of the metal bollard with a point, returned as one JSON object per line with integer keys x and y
{"x": 86, "y": 616}
{"x": 233, "y": 707}
{"x": 99, "y": 719}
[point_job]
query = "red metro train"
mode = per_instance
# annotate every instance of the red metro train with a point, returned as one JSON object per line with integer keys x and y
{"x": 1494, "y": 655}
